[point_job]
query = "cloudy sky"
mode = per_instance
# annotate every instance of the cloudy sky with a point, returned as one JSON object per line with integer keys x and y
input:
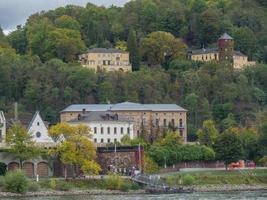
{"x": 14, "y": 12}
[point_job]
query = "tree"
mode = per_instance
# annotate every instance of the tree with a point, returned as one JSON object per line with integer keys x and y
{"x": 228, "y": 148}
{"x": 74, "y": 147}
{"x": 65, "y": 44}
{"x": 21, "y": 143}
{"x": 263, "y": 139}
{"x": 132, "y": 46}
{"x": 208, "y": 134}
{"x": 18, "y": 40}
{"x": 67, "y": 22}
{"x": 161, "y": 47}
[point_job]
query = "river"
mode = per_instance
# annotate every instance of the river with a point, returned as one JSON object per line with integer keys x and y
{"x": 256, "y": 195}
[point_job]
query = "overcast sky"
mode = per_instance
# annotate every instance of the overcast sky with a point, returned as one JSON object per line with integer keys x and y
{"x": 14, "y": 12}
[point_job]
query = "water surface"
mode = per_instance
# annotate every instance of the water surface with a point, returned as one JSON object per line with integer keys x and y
{"x": 255, "y": 195}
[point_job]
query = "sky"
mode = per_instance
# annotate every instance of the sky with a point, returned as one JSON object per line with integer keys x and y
{"x": 15, "y": 12}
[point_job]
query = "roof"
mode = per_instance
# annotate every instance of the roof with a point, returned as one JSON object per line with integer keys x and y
{"x": 204, "y": 51}
{"x": 225, "y": 36}
{"x": 125, "y": 106}
{"x": 105, "y": 50}
{"x": 96, "y": 116}
{"x": 238, "y": 53}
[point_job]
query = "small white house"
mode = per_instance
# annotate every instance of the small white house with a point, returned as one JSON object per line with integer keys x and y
{"x": 2, "y": 127}
{"x": 106, "y": 127}
{"x": 39, "y": 130}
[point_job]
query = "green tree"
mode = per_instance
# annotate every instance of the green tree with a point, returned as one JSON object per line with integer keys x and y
{"x": 18, "y": 40}
{"x": 67, "y": 22}
{"x": 161, "y": 47}
{"x": 74, "y": 147}
{"x": 208, "y": 134}
{"x": 263, "y": 139}
{"x": 132, "y": 46}
{"x": 228, "y": 148}
{"x": 65, "y": 44}
{"x": 21, "y": 143}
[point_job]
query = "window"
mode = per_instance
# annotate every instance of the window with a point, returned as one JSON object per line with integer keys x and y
{"x": 102, "y": 140}
{"x": 157, "y": 122}
{"x": 102, "y": 130}
{"x": 0, "y": 135}
{"x": 128, "y": 130}
{"x": 38, "y": 134}
{"x": 115, "y": 130}
{"x": 95, "y": 140}
{"x": 108, "y": 130}
{"x": 115, "y": 140}
{"x": 38, "y": 124}
{"x": 165, "y": 122}
{"x": 108, "y": 140}
{"x": 180, "y": 123}
{"x": 95, "y": 130}
{"x": 122, "y": 131}
{"x": 173, "y": 123}
{"x": 215, "y": 55}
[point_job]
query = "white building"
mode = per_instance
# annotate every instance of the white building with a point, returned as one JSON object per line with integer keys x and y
{"x": 2, "y": 127}
{"x": 39, "y": 130}
{"x": 106, "y": 127}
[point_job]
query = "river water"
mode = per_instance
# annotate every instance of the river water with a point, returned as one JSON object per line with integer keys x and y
{"x": 257, "y": 195}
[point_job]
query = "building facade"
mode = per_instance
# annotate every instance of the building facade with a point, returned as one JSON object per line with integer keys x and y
{"x": 224, "y": 52}
{"x": 149, "y": 120}
{"x": 106, "y": 59}
{"x": 106, "y": 127}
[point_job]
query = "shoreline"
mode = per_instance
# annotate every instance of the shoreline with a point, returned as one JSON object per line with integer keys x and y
{"x": 198, "y": 189}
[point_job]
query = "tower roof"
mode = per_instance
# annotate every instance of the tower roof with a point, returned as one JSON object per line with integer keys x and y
{"x": 225, "y": 36}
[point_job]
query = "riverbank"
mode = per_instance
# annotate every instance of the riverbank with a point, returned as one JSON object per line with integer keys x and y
{"x": 198, "y": 189}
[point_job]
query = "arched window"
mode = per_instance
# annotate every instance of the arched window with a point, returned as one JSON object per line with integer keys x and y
{"x": 180, "y": 122}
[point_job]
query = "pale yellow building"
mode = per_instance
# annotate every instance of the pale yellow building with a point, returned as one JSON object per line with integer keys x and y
{"x": 106, "y": 59}
{"x": 224, "y": 52}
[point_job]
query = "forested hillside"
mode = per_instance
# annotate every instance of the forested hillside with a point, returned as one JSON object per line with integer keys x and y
{"x": 39, "y": 68}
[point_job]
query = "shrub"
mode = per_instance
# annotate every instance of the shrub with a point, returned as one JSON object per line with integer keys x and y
{"x": 34, "y": 187}
{"x": 2, "y": 181}
{"x": 188, "y": 179}
{"x": 135, "y": 186}
{"x": 16, "y": 182}
{"x": 125, "y": 187}
{"x": 52, "y": 184}
{"x": 63, "y": 186}
{"x": 113, "y": 182}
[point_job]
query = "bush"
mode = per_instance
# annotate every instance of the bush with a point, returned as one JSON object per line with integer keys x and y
{"x": 188, "y": 179}
{"x": 63, "y": 186}
{"x": 135, "y": 186}
{"x": 52, "y": 184}
{"x": 34, "y": 187}
{"x": 125, "y": 187}
{"x": 2, "y": 169}
{"x": 16, "y": 182}
{"x": 2, "y": 181}
{"x": 113, "y": 182}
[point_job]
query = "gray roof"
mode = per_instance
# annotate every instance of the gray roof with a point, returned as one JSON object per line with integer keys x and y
{"x": 105, "y": 50}
{"x": 225, "y": 36}
{"x": 100, "y": 116}
{"x": 125, "y": 106}
{"x": 204, "y": 51}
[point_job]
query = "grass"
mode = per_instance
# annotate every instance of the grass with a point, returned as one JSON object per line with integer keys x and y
{"x": 233, "y": 177}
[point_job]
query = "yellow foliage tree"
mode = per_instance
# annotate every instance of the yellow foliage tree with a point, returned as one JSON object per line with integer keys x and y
{"x": 74, "y": 147}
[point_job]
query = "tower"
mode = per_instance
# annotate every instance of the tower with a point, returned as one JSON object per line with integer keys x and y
{"x": 226, "y": 48}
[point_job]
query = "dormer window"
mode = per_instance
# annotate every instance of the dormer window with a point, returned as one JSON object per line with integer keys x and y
{"x": 38, "y": 123}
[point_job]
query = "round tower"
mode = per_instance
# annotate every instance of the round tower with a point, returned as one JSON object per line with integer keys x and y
{"x": 226, "y": 48}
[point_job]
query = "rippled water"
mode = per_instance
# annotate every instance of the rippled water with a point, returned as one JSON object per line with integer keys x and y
{"x": 258, "y": 195}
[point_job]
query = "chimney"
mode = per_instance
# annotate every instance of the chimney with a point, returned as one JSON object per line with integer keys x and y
{"x": 84, "y": 110}
{"x": 16, "y": 111}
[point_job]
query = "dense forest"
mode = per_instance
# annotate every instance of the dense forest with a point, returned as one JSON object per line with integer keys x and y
{"x": 39, "y": 68}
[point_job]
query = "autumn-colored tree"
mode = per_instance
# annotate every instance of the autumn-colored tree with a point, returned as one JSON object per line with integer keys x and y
{"x": 21, "y": 143}
{"x": 208, "y": 133}
{"x": 74, "y": 147}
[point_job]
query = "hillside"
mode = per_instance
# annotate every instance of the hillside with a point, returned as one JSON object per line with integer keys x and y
{"x": 39, "y": 69}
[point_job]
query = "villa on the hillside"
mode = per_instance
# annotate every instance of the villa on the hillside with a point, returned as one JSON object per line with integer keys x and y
{"x": 224, "y": 52}
{"x": 106, "y": 59}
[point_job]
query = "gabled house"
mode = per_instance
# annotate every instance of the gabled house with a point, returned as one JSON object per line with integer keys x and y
{"x": 39, "y": 130}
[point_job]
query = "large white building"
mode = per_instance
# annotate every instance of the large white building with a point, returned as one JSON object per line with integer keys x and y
{"x": 106, "y": 127}
{"x": 2, "y": 127}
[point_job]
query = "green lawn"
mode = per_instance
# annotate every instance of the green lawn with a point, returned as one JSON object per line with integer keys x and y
{"x": 221, "y": 177}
